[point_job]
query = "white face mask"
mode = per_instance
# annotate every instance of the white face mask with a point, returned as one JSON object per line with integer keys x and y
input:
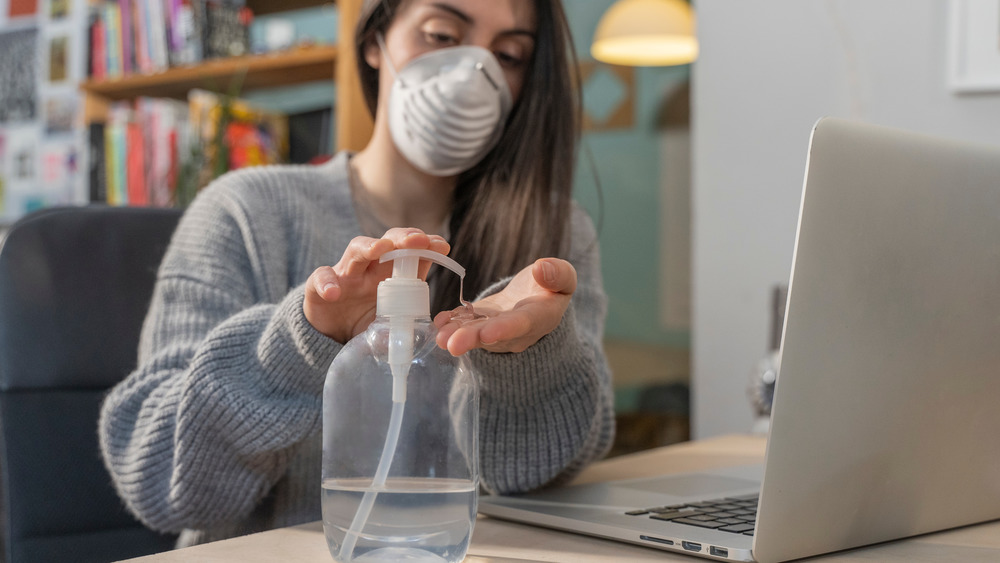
{"x": 447, "y": 108}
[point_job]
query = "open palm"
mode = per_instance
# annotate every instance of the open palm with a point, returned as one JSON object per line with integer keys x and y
{"x": 529, "y": 307}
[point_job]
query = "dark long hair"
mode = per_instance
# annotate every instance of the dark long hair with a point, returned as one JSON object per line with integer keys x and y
{"x": 514, "y": 206}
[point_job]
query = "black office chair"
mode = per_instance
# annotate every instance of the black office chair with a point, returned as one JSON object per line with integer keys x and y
{"x": 75, "y": 283}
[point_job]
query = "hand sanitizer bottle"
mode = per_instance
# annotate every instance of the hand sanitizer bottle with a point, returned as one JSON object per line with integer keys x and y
{"x": 400, "y": 425}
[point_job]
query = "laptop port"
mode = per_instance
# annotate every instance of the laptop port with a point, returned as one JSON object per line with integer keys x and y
{"x": 657, "y": 540}
{"x": 691, "y": 546}
{"x": 718, "y": 551}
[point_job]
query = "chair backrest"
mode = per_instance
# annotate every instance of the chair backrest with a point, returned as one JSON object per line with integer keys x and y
{"x": 75, "y": 284}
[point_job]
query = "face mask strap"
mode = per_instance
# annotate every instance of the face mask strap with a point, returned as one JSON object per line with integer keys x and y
{"x": 385, "y": 52}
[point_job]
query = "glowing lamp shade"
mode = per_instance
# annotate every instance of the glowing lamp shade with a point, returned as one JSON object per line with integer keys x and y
{"x": 646, "y": 33}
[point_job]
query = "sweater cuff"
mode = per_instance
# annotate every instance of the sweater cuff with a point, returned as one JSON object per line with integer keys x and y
{"x": 529, "y": 377}
{"x": 289, "y": 329}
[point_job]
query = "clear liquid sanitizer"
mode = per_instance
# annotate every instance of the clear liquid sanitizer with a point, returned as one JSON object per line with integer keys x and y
{"x": 400, "y": 425}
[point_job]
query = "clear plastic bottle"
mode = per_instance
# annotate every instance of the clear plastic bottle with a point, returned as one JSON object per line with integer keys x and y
{"x": 400, "y": 425}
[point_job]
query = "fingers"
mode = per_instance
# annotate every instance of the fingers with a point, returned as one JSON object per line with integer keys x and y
{"x": 415, "y": 238}
{"x": 510, "y": 328}
{"x": 362, "y": 251}
{"x": 555, "y": 275}
{"x": 510, "y": 332}
{"x": 441, "y": 319}
{"x": 323, "y": 283}
{"x": 321, "y": 290}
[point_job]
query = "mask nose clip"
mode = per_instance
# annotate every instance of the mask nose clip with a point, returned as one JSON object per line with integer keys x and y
{"x": 482, "y": 68}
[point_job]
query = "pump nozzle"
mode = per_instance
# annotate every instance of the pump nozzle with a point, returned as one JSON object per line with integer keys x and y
{"x": 407, "y": 267}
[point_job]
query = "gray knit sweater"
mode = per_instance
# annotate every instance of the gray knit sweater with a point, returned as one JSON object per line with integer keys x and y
{"x": 216, "y": 433}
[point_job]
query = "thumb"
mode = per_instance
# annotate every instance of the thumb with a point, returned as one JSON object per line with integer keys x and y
{"x": 555, "y": 275}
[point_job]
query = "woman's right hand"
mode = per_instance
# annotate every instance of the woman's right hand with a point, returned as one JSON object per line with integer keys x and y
{"x": 340, "y": 300}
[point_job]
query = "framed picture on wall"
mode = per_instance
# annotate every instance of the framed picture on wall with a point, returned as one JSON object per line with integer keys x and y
{"x": 974, "y": 46}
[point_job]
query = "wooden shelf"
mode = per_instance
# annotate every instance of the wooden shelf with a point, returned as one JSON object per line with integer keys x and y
{"x": 302, "y": 64}
{"x": 261, "y": 7}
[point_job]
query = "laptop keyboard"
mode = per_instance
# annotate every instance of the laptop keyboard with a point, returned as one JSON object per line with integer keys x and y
{"x": 733, "y": 514}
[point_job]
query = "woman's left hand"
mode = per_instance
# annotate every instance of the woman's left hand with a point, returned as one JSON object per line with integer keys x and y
{"x": 531, "y": 306}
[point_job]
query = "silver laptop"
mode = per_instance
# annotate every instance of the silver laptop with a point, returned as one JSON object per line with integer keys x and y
{"x": 886, "y": 416}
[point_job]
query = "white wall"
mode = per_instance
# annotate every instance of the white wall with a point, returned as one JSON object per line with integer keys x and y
{"x": 768, "y": 70}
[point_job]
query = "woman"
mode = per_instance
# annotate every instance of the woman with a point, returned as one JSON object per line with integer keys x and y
{"x": 216, "y": 433}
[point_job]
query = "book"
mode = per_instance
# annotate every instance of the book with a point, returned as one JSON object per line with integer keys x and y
{"x": 188, "y": 32}
{"x": 111, "y": 162}
{"x": 112, "y": 36}
{"x": 157, "y": 35}
{"x": 227, "y": 29}
{"x": 97, "y": 61}
{"x": 135, "y": 164}
{"x": 172, "y": 11}
{"x": 97, "y": 171}
{"x": 142, "y": 22}
{"x": 125, "y": 9}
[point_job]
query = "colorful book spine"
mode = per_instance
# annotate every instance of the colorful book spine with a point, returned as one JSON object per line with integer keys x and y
{"x": 141, "y": 31}
{"x": 175, "y": 33}
{"x": 114, "y": 37}
{"x": 125, "y": 9}
{"x": 189, "y": 25}
{"x": 98, "y": 47}
{"x": 135, "y": 154}
{"x": 157, "y": 35}
{"x": 121, "y": 164}
{"x": 155, "y": 119}
{"x": 110, "y": 165}
{"x": 173, "y": 172}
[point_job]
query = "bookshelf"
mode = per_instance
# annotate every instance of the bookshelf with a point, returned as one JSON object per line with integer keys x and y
{"x": 288, "y": 67}
{"x": 296, "y": 65}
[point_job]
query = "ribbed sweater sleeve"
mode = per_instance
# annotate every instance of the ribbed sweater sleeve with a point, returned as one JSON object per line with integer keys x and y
{"x": 548, "y": 411}
{"x": 229, "y": 380}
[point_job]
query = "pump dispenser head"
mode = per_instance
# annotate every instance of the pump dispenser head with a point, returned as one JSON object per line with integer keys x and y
{"x": 405, "y": 294}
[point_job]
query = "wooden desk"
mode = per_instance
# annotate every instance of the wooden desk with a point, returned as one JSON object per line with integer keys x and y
{"x": 497, "y": 541}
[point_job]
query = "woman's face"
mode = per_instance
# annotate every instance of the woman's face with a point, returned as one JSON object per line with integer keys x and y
{"x": 504, "y": 27}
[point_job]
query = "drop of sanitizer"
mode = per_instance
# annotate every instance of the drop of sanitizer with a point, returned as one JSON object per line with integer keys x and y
{"x": 467, "y": 313}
